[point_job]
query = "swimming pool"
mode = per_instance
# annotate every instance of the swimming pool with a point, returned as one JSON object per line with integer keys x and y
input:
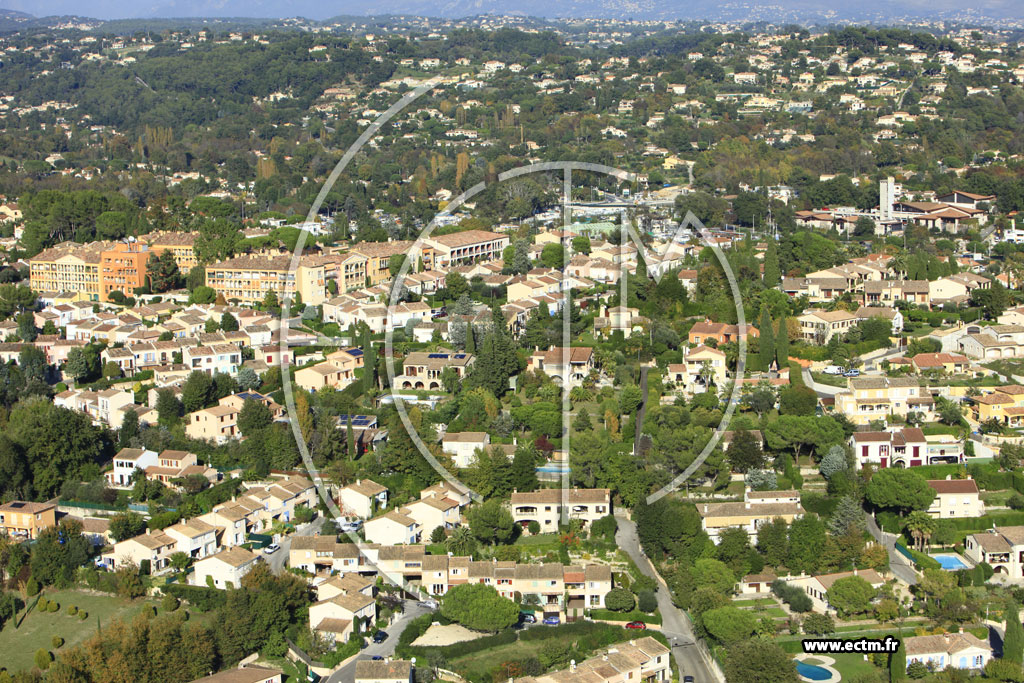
{"x": 812, "y": 672}
{"x": 950, "y": 563}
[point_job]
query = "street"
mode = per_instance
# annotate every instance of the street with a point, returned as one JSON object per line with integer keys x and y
{"x": 347, "y": 673}
{"x": 675, "y": 624}
{"x": 278, "y": 560}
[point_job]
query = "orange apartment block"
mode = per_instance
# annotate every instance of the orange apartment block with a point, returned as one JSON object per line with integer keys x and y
{"x": 181, "y": 244}
{"x": 123, "y": 268}
{"x": 22, "y": 519}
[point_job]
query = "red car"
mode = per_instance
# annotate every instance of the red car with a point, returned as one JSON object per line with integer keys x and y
{"x": 637, "y": 625}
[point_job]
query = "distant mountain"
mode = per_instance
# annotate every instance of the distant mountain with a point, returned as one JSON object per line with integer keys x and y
{"x": 730, "y": 10}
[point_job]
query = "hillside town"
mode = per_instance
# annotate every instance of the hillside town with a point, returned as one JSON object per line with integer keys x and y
{"x": 619, "y": 351}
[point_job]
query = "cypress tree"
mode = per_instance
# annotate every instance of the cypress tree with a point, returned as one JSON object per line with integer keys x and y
{"x": 1013, "y": 643}
{"x": 350, "y": 439}
{"x": 369, "y": 361}
{"x": 772, "y": 275}
{"x": 782, "y": 343}
{"x": 767, "y": 354}
{"x": 898, "y": 663}
{"x": 470, "y": 339}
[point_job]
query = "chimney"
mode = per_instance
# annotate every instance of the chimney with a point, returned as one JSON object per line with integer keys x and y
{"x": 746, "y": 505}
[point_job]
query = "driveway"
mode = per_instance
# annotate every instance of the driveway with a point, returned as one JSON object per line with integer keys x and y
{"x": 675, "y": 624}
{"x": 278, "y": 560}
{"x": 347, "y": 673}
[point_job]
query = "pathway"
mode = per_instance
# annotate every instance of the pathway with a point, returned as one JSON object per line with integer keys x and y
{"x": 899, "y": 565}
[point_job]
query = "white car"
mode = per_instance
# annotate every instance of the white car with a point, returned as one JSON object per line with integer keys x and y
{"x": 271, "y": 549}
{"x": 354, "y": 525}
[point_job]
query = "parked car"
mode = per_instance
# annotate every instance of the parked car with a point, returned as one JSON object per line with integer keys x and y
{"x": 527, "y": 618}
{"x": 429, "y": 604}
{"x": 833, "y": 370}
{"x": 852, "y": 373}
{"x": 377, "y": 658}
{"x": 380, "y": 637}
{"x": 552, "y": 621}
{"x": 271, "y": 549}
{"x": 353, "y": 525}
{"x": 639, "y": 625}
{"x": 687, "y": 679}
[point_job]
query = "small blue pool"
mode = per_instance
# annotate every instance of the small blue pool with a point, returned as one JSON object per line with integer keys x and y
{"x": 950, "y": 563}
{"x": 812, "y": 672}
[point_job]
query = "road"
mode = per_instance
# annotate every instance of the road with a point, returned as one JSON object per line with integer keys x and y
{"x": 347, "y": 673}
{"x": 675, "y": 624}
{"x": 899, "y": 565}
{"x": 277, "y": 561}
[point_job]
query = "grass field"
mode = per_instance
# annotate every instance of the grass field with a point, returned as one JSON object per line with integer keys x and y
{"x": 38, "y": 629}
{"x": 851, "y": 665}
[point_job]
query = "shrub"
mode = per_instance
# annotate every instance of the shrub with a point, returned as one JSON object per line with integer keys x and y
{"x": 32, "y": 587}
{"x": 533, "y": 527}
{"x": 54, "y": 606}
{"x": 1016, "y": 502}
{"x": 72, "y": 610}
{"x": 647, "y": 601}
{"x": 57, "y": 642}
{"x": 43, "y": 605}
{"x": 202, "y": 599}
{"x": 619, "y": 600}
{"x": 169, "y": 603}
{"x": 43, "y": 659}
{"x": 83, "y": 615}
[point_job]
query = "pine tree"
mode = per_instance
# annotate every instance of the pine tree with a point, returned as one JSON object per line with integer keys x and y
{"x": 767, "y": 354}
{"x": 782, "y": 343}
{"x": 771, "y": 265}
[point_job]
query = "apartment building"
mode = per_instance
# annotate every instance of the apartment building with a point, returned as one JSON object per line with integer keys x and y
{"x": 369, "y": 263}
{"x": 876, "y": 398}
{"x": 546, "y": 507}
{"x": 69, "y": 267}
{"x": 956, "y": 498}
{"x": 123, "y": 268}
{"x": 249, "y": 277}
{"x": 24, "y": 520}
{"x": 180, "y": 244}
{"x": 465, "y": 248}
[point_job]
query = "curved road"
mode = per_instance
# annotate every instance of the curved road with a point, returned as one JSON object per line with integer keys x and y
{"x": 347, "y": 673}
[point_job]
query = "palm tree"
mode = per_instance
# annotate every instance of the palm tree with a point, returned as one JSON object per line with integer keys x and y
{"x": 921, "y": 526}
{"x": 898, "y": 264}
{"x": 461, "y": 542}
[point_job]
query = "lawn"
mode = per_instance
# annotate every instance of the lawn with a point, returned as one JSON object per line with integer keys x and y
{"x": 851, "y": 665}
{"x": 764, "y": 602}
{"x": 38, "y": 629}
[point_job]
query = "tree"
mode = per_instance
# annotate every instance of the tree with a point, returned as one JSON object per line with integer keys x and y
{"x": 32, "y": 362}
{"x": 1013, "y": 641}
{"x": 797, "y": 400}
{"x": 59, "y": 552}
{"x": 848, "y": 513}
{"x": 713, "y": 574}
{"x": 197, "y": 391}
{"x": 921, "y": 526}
{"x": 228, "y": 322}
{"x": 898, "y": 663}
{"x": 395, "y": 264}
{"x": 163, "y": 272}
{"x": 897, "y": 489}
{"x": 456, "y": 285}
{"x": 782, "y": 343}
{"x": 15, "y": 298}
{"x": 27, "y": 327}
{"x": 253, "y": 417}
{"x": 270, "y": 301}
{"x": 771, "y": 266}
{"x": 553, "y": 255}
{"x": 581, "y": 244}
{"x": 819, "y": 625}
{"x": 490, "y": 522}
{"x": 369, "y": 363}
{"x": 759, "y": 660}
{"x": 168, "y": 408}
{"x": 248, "y": 379}
{"x": 766, "y": 352}
{"x": 851, "y": 595}
{"x": 524, "y": 469}
{"x": 461, "y": 542}
{"x": 202, "y": 294}
{"x": 479, "y": 607}
{"x": 729, "y": 625}
{"x": 744, "y": 452}
{"x": 773, "y": 542}
{"x": 619, "y": 600}
{"x": 806, "y": 541}
{"x": 126, "y": 525}
{"x": 834, "y": 461}
{"x": 129, "y": 428}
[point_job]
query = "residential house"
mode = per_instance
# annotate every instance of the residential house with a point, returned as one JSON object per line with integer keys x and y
{"x": 956, "y": 498}
{"x": 748, "y": 515}
{"x": 25, "y": 520}
{"x": 462, "y": 446}
{"x": 246, "y": 673}
{"x": 548, "y": 506}
{"x": 875, "y": 398}
{"x": 569, "y": 366}
{"x": 225, "y": 568}
{"x": 722, "y": 333}
{"x": 423, "y": 370}
{"x": 393, "y": 528}
{"x": 960, "y": 650}
{"x": 817, "y": 587}
{"x": 126, "y": 463}
{"x": 362, "y": 498}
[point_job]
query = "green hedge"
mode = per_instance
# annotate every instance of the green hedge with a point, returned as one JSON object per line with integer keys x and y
{"x": 201, "y": 598}
{"x": 340, "y": 654}
{"x": 920, "y": 559}
{"x": 450, "y": 652}
{"x": 608, "y": 615}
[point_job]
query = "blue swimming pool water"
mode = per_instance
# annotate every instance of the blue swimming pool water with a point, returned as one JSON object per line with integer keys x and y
{"x": 815, "y": 673}
{"x": 950, "y": 563}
